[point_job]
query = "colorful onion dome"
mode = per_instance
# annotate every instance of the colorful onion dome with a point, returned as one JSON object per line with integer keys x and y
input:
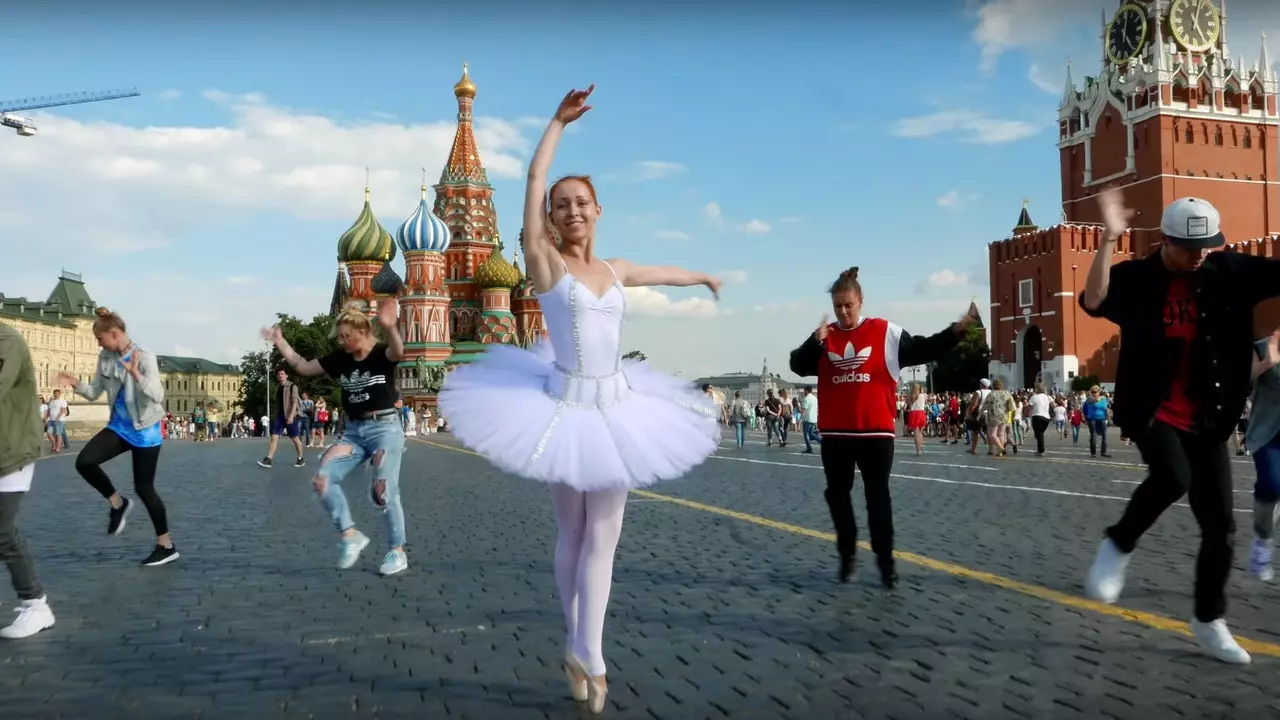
{"x": 366, "y": 241}
{"x": 464, "y": 88}
{"x": 423, "y": 230}
{"x": 386, "y": 282}
{"x": 496, "y": 273}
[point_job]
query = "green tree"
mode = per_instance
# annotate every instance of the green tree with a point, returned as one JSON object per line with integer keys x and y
{"x": 1080, "y": 383}
{"x": 311, "y": 340}
{"x": 635, "y": 355}
{"x": 966, "y": 364}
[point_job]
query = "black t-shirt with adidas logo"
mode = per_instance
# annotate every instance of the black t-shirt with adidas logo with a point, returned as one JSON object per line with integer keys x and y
{"x": 368, "y": 385}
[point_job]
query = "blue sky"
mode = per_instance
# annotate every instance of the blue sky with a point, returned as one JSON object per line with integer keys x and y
{"x": 833, "y": 138}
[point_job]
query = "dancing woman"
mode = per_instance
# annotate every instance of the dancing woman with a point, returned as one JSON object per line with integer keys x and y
{"x": 130, "y": 378}
{"x": 366, "y": 371}
{"x": 857, "y": 361}
{"x": 572, "y": 413}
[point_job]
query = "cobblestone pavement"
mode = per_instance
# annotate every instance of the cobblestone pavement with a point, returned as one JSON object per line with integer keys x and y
{"x": 713, "y": 614}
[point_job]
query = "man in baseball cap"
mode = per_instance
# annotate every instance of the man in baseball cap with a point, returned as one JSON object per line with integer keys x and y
{"x": 1185, "y": 315}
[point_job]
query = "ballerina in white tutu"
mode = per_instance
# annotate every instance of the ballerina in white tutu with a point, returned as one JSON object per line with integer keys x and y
{"x": 571, "y": 412}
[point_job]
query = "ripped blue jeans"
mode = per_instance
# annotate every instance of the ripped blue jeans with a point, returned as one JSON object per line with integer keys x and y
{"x": 381, "y": 442}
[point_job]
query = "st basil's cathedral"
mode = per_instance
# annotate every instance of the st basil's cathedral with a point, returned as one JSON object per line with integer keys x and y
{"x": 459, "y": 293}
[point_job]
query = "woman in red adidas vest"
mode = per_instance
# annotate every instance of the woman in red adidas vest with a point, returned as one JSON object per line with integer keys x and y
{"x": 857, "y": 361}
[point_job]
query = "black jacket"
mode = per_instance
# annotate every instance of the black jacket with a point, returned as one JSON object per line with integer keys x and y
{"x": 1227, "y": 287}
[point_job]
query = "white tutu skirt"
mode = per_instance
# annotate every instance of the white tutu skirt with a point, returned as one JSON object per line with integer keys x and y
{"x": 626, "y": 430}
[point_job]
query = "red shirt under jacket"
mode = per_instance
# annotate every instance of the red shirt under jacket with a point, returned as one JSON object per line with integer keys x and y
{"x": 857, "y": 370}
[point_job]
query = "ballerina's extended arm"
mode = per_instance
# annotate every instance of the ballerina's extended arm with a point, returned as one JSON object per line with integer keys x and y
{"x": 541, "y": 258}
{"x": 632, "y": 275}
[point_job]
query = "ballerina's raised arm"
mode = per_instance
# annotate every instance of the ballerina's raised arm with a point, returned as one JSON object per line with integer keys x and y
{"x": 540, "y": 253}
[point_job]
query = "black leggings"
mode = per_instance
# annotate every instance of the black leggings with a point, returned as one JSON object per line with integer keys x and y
{"x": 107, "y": 445}
{"x": 874, "y": 457}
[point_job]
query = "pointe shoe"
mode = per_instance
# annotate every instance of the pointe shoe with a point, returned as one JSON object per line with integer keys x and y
{"x": 597, "y": 688}
{"x": 577, "y": 679}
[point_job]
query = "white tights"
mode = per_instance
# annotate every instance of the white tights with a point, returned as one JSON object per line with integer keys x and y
{"x": 590, "y": 524}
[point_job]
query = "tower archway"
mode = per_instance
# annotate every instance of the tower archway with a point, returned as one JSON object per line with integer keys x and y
{"x": 1032, "y": 347}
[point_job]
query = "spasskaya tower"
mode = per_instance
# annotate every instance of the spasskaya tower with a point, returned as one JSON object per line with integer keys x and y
{"x": 1171, "y": 113}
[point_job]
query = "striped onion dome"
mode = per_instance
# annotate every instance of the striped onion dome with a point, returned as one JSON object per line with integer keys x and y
{"x": 497, "y": 273}
{"x": 423, "y": 230}
{"x": 366, "y": 241}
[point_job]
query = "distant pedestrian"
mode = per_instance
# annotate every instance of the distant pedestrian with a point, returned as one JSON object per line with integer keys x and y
{"x": 288, "y": 420}
{"x": 129, "y": 376}
{"x": 20, "y": 443}
{"x": 857, "y": 361}
{"x": 1263, "y": 440}
{"x": 1185, "y": 315}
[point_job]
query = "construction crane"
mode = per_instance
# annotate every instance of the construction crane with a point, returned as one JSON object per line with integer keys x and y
{"x": 26, "y": 128}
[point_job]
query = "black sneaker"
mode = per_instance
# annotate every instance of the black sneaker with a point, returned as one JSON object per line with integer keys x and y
{"x": 117, "y": 521}
{"x": 846, "y": 568}
{"x": 161, "y": 556}
{"x": 888, "y": 573}
{"x": 265, "y": 462}
{"x": 300, "y": 462}
{"x": 378, "y": 492}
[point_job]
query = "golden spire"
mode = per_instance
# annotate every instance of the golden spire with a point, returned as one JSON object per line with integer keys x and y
{"x": 366, "y": 184}
{"x": 465, "y": 88}
{"x": 424, "y": 183}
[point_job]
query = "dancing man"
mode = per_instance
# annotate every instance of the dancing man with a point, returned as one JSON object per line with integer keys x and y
{"x": 365, "y": 369}
{"x": 857, "y": 362}
{"x": 129, "y": 376}
{"x": 287, "y": 419}
{"x": 1186, "y": 352}
{"x": 572, "y": 413}
{"x": 21, "y": 434}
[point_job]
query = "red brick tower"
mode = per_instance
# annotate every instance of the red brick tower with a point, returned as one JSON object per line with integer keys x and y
{"x": 1171, "y": 114}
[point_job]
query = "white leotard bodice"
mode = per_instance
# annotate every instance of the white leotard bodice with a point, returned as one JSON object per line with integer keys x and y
{"x": 586, "y": 336}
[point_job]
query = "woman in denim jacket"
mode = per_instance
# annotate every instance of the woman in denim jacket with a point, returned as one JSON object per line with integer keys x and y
{"x": 130, "y": 378}
{"x": 1263, "y": 440}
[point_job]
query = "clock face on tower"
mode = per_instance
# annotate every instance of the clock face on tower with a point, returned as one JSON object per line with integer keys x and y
{"x": 1196, "y": 24}
{"x": 1127, "y": 34}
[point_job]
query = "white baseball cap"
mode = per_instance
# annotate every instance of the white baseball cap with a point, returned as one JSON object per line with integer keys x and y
{"x": 1192, "y": 223}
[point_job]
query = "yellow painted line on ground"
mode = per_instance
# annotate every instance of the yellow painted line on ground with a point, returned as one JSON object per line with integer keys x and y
{"x": 1151, "y": 620}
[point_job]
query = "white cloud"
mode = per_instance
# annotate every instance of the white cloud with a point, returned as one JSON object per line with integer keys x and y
{"x": 713, "y": 213}
{"x": 672, "y": 235}
{"x": 733, "y": 276}
{"x": 183, "y": 351}
{"x": 647, "y": 301}
{"x": 647, "y": 170}
{"x": 155, "y": 194}
{"x": 971, "y": 126}
{"x": 1003, "y": 25}
{"x": 756, "y": 227}
{"x": 955, "y": 200}
{"x": 1043, "y": 81}
{"x": 946, "y": 278}
{"x": 240, "y": 280}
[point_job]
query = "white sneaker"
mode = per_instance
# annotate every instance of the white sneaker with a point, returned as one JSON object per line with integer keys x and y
{"x": 1105, "y": 581}
{"x": 1215, "y": 639}
{"x": 349, "y": 549}
{"x": 33, "y": 616}
{"x": 395, "y": 561}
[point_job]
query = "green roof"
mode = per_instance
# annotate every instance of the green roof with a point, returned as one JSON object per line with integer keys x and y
{"x": 68, "y": 300}
{"x": 70, "y": 296}
{"x": 172, "y": 363}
